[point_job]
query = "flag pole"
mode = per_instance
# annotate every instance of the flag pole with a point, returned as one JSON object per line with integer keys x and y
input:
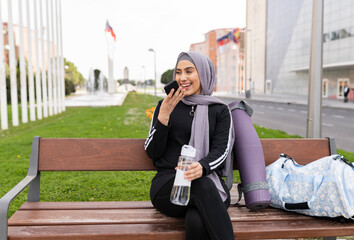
{"x": 110, "y": 49}
{"x": 38, "y": 70}
{"x": 55, "y": 79}
{"x": 3, "y": 97}
{"x": 22, "y": 69}
{"x": 58, "y": 72}
{"x": 49, "y": 64}
{"x": 110, "y": 75}
{"x": 62, "y": 56}
{"x": 12, "y": 61}
{"x": 44, "y": 77}
{"x": 30, "y": 66}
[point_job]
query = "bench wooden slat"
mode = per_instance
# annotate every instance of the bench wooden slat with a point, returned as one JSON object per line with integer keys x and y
{"x": 302, "y": 150}
{"x": 106, "y": 204}
{"x": 77, "y": 217}
{"x": 92, "y": 154}
{"x": 135, "y": 216}
{"x": 90, "y": 205}
{"x": 291, "y": 229}
{"x": 99, "y": 232}
{"x": 85, "y": 205}
{"x": 243, "y": 230}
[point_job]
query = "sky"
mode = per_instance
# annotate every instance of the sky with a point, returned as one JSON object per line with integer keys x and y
{"x": 168, "y": 27}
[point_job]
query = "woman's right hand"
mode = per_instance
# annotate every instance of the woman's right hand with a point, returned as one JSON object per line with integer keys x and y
{"x": 168, "y": 104}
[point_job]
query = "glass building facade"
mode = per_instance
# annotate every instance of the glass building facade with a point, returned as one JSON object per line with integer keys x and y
{"x": 287, "y": 46}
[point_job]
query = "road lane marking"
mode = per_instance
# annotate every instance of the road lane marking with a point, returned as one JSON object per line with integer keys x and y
{"x": 338, "y": 116}
{"x": 303, "y": 111}
{"x": 280, "y": 108}
{"x": 327, "y": 124}
{"x": 291, "y": 110}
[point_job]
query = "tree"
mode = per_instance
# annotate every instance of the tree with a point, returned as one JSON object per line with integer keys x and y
{"x": 69, "y": 87}
{"x": 72, "y": 74}
{"x": 18, "y": 82}
{"x": 167, "y": 76}
{"x": 73, "y": 78}
{"x": 132, "y": 82}
{"x": 149, "y": 82}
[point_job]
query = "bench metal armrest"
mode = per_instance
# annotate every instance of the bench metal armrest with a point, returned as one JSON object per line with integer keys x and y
{"x": 5, "y": 203}
{"x": 33, "y": 177}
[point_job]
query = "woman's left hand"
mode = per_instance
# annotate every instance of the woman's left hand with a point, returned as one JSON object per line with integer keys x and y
{"x": 195, "y": 170}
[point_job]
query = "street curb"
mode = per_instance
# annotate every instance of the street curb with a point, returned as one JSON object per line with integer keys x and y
{"x": 340, "y": 105}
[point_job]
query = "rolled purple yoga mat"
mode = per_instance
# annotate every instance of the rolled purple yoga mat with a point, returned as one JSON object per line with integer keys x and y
{"x": 249, "y": 156}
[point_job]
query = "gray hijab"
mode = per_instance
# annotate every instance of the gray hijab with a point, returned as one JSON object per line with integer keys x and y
{"x": 200, "y": 126}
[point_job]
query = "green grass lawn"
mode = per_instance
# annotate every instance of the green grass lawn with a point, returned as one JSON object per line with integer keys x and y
{"x": 126, "y": 121}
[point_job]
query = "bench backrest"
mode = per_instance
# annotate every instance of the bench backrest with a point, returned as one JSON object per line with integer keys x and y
{"x": 92, "y": 154}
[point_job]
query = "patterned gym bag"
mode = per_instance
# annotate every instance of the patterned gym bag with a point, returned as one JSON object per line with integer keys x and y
{"x": 323, "y": 188}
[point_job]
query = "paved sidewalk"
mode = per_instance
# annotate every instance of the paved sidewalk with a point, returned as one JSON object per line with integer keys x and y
{"x": 85, "y": 99}
{"x": 291, "y": 99}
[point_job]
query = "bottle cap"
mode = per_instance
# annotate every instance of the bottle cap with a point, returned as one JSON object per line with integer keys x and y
{"x": 188, "y": 151}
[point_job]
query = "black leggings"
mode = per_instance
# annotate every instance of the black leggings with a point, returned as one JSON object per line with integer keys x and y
{"x": 206, "y": 215}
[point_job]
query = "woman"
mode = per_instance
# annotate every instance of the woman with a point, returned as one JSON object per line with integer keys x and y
{"x": 190, "y": 115}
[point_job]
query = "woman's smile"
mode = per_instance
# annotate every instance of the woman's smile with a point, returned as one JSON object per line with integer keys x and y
{"x": 186, "y": 86}
{"x": 187, "y": 77}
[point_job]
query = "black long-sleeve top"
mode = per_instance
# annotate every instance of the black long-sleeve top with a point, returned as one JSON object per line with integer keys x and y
{"x": 164, "y": 143}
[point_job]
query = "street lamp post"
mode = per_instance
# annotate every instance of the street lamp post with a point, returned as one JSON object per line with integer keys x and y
{"x": 144, "y": 77}
{"x": 152, "y": 50}
{"x": 249, "y": 48}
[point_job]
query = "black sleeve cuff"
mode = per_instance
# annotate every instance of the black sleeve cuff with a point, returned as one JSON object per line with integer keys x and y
{"x": 160, "y": 126}
{"x": 205, "y": 165}
{"x": 204, "y": 171}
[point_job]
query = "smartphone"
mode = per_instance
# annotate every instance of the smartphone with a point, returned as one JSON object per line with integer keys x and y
{"x": 171, "y": 85}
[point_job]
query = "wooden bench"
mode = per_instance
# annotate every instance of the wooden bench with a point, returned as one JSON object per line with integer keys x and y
{"x": 138, "y": 219}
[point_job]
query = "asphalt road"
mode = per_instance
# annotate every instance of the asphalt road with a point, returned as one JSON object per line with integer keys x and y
{"x": 291, "y": 118}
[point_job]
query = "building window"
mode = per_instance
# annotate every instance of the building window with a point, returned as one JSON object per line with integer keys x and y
{"x": 341, "y": 82}
{"x": 326, "y": 37}
{"x": 325, "y": 88}
{"x": 334, "y": 36}
{"x": 351, "y": 31}
{"x": 339, "y": 34}
{"x": 343, "y": 33}
{"x": 268, "y": 86}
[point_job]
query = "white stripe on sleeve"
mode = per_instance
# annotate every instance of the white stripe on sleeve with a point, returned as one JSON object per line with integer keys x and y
{"x": 214, "y": 164}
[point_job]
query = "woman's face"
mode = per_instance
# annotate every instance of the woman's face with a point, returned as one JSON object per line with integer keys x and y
{"x": 187, "y": 77}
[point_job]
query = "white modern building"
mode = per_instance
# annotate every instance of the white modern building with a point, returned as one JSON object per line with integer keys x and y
{"x": 278, "y": 40}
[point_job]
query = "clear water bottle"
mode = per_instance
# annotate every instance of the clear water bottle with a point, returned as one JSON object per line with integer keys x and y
{"x": 181, "y": 187}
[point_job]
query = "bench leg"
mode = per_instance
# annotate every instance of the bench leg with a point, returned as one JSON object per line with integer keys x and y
{"x": 329, "y": 238}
